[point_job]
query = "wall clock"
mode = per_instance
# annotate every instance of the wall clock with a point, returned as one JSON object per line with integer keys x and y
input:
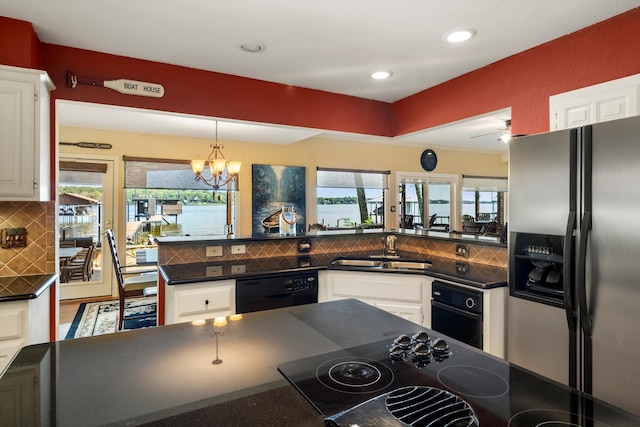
{"x": 428, "y": 160}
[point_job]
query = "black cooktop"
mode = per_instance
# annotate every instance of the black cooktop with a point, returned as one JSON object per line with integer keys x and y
{"x": 499, "y": 393}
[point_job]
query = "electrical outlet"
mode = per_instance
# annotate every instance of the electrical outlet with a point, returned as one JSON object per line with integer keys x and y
{"x": 214, "y": 270}
{"x": 462, "y": 268}
{"x": 214, "y": 251}
{"x": 238, "y": 269}
{"x": 238, "y": 249}
{"x": 462, "y": 251}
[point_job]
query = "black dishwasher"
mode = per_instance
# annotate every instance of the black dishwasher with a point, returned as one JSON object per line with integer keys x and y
{"x": 276, "y": 291}
{"x": 456, "y": 311}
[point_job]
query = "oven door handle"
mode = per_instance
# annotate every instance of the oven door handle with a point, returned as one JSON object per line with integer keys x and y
{"x": 470, "y": 315}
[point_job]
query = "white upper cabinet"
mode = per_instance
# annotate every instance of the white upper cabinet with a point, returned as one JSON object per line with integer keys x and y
{"x": 24, "y": 134}
{"x": 612, "y": 100}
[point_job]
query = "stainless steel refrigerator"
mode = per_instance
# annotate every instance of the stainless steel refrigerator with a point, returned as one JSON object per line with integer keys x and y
{"x": 574, "y": 258}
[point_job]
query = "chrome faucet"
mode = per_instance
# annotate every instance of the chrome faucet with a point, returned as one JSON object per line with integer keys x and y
{"x": 389, "y": 245}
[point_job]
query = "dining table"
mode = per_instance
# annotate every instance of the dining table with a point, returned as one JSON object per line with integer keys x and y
{"x": 67, "y": 254}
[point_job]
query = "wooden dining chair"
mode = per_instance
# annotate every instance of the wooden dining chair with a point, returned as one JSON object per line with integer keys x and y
{"x": 145, "y": 281}
{"x": 80, "y": 267}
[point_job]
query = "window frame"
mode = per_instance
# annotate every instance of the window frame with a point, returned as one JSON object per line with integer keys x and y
{"x": 362, "y": 175}
{"x": 403, "y": 177}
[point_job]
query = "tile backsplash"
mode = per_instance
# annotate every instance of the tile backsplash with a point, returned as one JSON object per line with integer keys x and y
{"x": 191, "y": 252}
{"x": 38, "y": 257}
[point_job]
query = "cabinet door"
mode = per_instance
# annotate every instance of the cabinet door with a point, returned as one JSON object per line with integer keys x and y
{"x": 612, "y": 100}
{"x": 405, "y": 296}
{"x": 410, "y": 312}
{"x": 17, "y": 139}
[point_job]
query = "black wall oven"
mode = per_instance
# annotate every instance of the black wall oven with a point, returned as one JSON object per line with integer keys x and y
{"x": 456, "y": 311}
{"x": 276, "y": 291}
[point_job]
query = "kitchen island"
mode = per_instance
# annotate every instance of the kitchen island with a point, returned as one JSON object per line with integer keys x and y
{"x": 165, "y": 375}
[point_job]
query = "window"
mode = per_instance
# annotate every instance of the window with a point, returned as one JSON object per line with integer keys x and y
{"x": 427, "y": 201}
{"x": 163, "y": 198}
{"x": 483, "y": 203}
{"x": 349, "y": 198}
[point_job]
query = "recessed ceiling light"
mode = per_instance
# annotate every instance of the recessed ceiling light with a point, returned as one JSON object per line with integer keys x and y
{"x": 253, "y": 46}
{"x": 459, "y": 36}
{"x": 381, "y": 75}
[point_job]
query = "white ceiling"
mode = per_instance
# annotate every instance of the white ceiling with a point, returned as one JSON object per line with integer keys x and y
{"x": 330, "y": 45}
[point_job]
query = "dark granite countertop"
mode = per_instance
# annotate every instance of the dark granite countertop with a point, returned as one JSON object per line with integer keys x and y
{"x": 165, "y": 373}
{"x": 163, "y": 376}
{"x": 19, "y": 288}
{"x": 472, "y": 274}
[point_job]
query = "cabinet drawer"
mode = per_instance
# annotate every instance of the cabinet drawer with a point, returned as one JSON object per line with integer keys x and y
{"x": 205, "y": 301}
{"x": 11, "y": 324}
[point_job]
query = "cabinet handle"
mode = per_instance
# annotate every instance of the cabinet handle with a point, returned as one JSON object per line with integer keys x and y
{"x": 206, "y": 302}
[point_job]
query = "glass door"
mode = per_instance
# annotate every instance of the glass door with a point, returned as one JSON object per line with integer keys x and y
{"x": 427, "y": 201}
{"x": 85, "y": 209}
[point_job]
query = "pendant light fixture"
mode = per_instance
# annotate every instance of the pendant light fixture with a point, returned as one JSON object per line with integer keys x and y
{"x": 217, "y": 165}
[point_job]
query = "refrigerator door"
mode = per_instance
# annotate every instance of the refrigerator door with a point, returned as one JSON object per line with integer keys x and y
{"x": 540, "y": 190}
{"x": 613, "y": 265}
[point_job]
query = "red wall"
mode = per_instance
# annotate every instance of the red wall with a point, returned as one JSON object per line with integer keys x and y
{"x": 194, "y": 91}
{"x": 19, "y": 44}
{"x": 524, "y": 82}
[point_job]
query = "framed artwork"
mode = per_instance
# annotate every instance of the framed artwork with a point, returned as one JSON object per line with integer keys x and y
{"x": 278, "y": 197}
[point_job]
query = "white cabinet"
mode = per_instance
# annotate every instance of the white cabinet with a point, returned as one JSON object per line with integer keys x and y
{"x": 404, "y": 295}
{"x": 22, "y": 323}
{"x": 24, "y": 134}
{"x": 616, "y": 99}
{"x": 199, "y": 301}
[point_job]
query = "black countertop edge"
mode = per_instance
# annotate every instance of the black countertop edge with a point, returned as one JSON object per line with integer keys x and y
{"x": 33, "y": 286}
{"x": 437, "y": 235}
{"x": 323, "y": 262}
{"x": 197, "y": 279}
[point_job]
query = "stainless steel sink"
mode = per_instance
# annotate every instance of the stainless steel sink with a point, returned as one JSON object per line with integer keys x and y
{"x": 382, "y": 264}
{"x": 369, "y": 263}
{"x": 407, "y": 265}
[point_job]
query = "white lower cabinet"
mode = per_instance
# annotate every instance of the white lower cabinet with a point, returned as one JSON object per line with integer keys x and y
{"x": 404, "y": 295}
{"x": 22, "y": 323}
{"x": 198, "y": 301}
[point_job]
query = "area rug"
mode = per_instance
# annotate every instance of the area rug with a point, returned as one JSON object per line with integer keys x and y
{"x": 98, "y": 318}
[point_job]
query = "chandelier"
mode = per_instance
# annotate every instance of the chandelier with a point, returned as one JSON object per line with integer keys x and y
{"x": 217, "y": 165}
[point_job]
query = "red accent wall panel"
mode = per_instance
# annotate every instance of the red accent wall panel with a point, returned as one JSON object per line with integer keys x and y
{"x": 19, "y": 44}
{"x": 206, "y": 93}
{"x": 524, "y": 82}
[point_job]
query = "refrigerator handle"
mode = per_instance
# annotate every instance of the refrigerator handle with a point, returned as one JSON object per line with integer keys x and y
{"x": 586, "y": 319}
{"x": 567, "y": 273}
{"x": 567, "y": 255}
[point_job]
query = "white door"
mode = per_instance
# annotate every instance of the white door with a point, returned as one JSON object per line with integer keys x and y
{"x": 86, "y": 205}
{"x": 422, "y": 196}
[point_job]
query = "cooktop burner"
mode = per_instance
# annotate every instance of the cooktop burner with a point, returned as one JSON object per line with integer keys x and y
{"x": 473, "y": 381}
{"x": 354, "y": 375}
{"x": 552, "y": 418}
